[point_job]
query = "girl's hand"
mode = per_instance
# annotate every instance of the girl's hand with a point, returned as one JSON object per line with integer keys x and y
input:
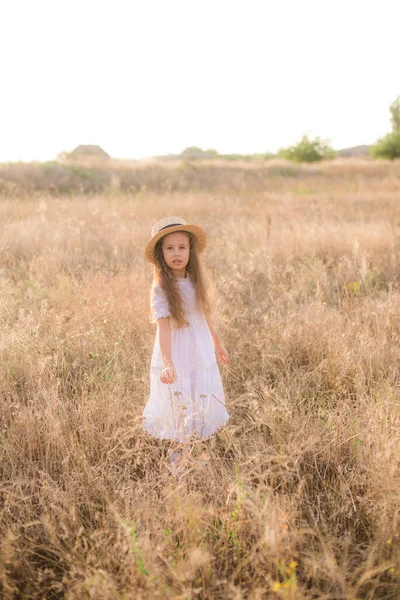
{"x": 221, "y": 353}
{"x": 168, "y": 375}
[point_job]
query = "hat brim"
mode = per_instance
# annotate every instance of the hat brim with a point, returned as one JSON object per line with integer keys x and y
{"x": 197, "y": 231}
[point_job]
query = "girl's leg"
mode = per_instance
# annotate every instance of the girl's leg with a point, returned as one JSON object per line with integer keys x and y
{"x": 178, "y": 455}
{"x": 175, "y": 458}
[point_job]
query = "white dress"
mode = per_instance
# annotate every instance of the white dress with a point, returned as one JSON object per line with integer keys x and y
{"x": 194, "y": 406}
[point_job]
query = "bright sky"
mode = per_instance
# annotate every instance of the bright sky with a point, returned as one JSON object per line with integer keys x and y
{"x": 149, "y": 77}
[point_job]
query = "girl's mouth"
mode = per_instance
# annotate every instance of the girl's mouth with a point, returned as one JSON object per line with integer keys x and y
{"x": 177, "y": 262}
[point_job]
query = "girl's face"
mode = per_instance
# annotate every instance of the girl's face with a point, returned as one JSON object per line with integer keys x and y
{"x": 176, "y": 250}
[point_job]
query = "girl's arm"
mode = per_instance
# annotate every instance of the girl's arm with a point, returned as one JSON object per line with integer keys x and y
{"x": 220, "y": 351}
{"x": 168, "y": 375}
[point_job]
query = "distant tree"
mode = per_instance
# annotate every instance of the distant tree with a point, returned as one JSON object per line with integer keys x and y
{"x": 308, "y": 150}
{"x": 192, "y": 153}
{"x": 210, "y": 153}
{"x": 88, "y": 151}
{"x": 389, "y": 145}
{"x": 395, "y": 112}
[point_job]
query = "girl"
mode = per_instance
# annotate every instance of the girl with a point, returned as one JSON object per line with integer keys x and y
{"x": 186, "y": 394}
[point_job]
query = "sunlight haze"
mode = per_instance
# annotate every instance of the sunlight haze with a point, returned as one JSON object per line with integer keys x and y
{"x": 153, "y": 77}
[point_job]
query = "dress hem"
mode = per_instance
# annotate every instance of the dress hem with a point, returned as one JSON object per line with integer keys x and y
{"x": 174, "y": 438}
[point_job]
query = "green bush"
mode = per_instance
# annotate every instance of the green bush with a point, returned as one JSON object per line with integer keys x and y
{"x": 395, "y": 112}
{"x": 194, "y": 153}
{"x": 308, "y": 150}
{"x": 387, "y": 147}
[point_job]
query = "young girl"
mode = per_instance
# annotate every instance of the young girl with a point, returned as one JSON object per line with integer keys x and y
{"x": 186, "y": 394}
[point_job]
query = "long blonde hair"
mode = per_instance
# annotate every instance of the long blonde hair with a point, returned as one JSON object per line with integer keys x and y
{"x": 164, "y": 277}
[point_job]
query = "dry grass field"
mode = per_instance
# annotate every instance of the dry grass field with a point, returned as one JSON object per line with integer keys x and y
{"x": 299, "y": 496}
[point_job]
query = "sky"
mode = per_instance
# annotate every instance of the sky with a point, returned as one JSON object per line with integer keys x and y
{"x": 151, "y": 77}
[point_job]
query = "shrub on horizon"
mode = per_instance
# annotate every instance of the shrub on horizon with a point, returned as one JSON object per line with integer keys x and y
{"x": 387, "y": 147}
{"x": 308, "y": 150}
{"x": 395, "y": 114}
{"x": 194, "y": 153}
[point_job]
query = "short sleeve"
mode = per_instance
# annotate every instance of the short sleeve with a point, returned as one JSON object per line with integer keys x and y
{"x": 159, "y": 304}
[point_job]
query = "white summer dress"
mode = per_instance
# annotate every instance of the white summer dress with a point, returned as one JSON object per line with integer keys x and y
{"x": 193, "y": 406}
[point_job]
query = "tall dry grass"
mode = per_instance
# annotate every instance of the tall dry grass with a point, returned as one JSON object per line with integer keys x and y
{"x": 300, "y": 493}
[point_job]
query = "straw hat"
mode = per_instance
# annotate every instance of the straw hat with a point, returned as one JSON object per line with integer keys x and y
{"x": 169, "y": 225}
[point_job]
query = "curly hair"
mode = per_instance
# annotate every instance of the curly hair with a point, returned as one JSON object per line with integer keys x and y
{"x": 164, "y": 277}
